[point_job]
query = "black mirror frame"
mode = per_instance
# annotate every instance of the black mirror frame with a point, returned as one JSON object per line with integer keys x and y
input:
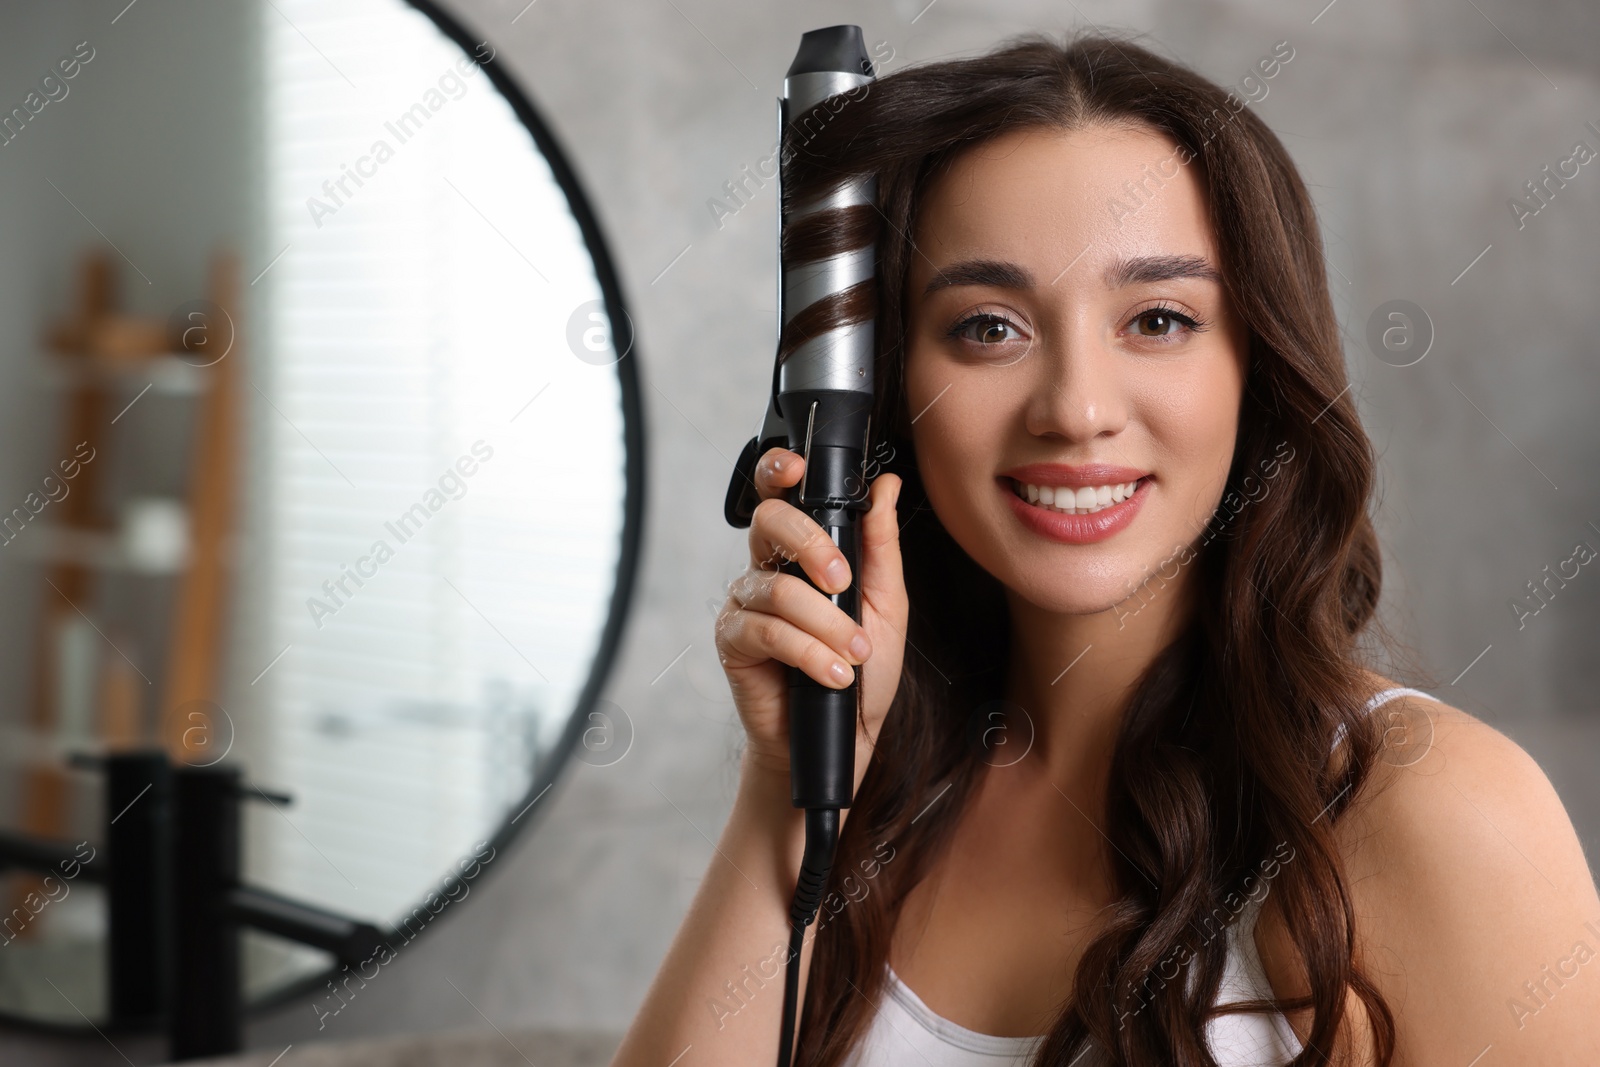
{"x": 624, "y": 343}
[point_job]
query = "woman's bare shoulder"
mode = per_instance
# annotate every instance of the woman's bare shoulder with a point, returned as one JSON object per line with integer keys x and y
{"x": 1446, "y": 787}
{"x": 1469, "y": 887}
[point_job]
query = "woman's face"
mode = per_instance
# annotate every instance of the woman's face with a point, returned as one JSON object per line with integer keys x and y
{"x": 1066, "y": 310}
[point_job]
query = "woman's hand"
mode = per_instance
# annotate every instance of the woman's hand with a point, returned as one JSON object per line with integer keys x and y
{"x": 773, "y": 620}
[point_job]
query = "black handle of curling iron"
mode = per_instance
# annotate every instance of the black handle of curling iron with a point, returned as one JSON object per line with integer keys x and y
{"x": 822, "y": 720}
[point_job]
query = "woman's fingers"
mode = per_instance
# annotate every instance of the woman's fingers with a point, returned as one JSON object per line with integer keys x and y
{"x": 757, "y": 636}
{"x": 779, "y": 469}
{"x": 780, "y": 532}
{"x": 882, "y": 572}
{"x": 790, "y": 598}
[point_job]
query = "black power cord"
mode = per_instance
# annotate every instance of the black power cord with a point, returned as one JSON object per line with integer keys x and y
{"x": 822, "y": 838}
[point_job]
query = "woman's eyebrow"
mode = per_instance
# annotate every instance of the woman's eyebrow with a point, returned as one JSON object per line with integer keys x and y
{"x": 1134, "y": 270}
{"x": 992, "y": 272}
{"x": 1128, "y": 270}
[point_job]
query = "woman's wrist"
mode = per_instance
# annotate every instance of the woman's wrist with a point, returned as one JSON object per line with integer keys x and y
{"x": 768, "y": 782}
{"x": 762, "y": 810}
{"x": 765, "y": 803}
{"x": 765, "y": 800}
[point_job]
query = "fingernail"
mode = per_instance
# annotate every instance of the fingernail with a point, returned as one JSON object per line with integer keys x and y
{"x": 836, "y": 572}
{"x": 841, "y": 672}
{"x": 859, "y": 646}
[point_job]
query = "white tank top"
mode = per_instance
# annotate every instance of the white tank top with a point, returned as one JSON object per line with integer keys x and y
{"x": 905, "y": 1032}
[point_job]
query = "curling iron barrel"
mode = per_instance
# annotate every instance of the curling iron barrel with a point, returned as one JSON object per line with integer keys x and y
{"x": 826, "y": 295}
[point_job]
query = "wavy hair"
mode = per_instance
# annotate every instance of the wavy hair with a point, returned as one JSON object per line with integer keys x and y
{"x": 1226, "y": 755}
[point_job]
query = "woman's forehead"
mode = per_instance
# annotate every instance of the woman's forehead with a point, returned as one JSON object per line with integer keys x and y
{"x": 1051, "y": 198}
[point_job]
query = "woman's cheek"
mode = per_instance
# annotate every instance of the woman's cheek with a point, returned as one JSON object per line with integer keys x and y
{"x": 1191, "y": 453}
{"x": 937, "y": 458}
{"x": 956, "y": 460}
{"x": 1195, "y": 422}
{"x": 943, "y": 437}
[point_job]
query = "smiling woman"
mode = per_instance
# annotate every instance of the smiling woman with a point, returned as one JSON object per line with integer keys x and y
{"x": 1070, "y": 397}
{"x": 1117, "y": 340}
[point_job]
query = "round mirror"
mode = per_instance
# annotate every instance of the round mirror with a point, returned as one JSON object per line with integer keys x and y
{"x": 321, "y": 461}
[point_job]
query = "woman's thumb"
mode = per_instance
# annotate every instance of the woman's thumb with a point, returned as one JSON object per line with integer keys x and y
{"x": 880, "y": 538}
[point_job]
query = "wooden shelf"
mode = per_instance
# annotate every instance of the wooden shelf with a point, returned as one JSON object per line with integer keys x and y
{"x": 169, "y": 373}
{"x": 97, "y": 550}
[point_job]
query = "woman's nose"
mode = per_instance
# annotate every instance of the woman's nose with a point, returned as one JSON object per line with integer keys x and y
{"x": 1078, "y": 392}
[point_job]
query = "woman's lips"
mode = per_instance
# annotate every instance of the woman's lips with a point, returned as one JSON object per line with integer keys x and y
{"x": 1075, "y": 529}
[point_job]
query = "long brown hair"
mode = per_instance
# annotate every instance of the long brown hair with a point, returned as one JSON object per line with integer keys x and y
{"x": 1223, "y": 759}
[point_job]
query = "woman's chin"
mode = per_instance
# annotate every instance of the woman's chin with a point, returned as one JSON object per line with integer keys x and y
{"x": 1063, "y": 596}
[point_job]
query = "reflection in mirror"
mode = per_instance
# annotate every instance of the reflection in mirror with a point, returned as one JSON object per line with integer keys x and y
{"x": 317, "y": 461}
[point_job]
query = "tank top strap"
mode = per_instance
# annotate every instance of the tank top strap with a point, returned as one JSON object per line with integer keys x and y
{"x": 1387, "y": 695}
{"x": 1378, "y": 699}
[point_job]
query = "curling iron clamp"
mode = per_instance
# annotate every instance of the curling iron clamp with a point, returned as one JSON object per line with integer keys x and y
{"x": 820, "y": 407}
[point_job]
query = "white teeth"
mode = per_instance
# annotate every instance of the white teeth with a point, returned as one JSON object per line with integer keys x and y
{"x": 1084, "y": 501}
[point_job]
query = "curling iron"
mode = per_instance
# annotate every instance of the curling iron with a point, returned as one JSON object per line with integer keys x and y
{"x": 820, "y": 407}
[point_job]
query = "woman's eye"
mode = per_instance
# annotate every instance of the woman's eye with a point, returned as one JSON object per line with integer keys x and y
{"x": 989, "y": 329}
{"x": 1161, "y": 322}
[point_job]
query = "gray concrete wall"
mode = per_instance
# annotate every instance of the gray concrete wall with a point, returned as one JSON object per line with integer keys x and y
{"x": 1413, "y": 123}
